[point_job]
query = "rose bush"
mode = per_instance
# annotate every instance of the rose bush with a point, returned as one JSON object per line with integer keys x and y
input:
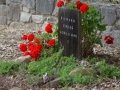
{"x": 91, "y": 24}
{"x": 34, "y": 44}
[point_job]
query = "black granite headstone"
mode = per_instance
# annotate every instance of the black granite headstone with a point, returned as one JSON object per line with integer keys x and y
{"x": 69, "y": 31}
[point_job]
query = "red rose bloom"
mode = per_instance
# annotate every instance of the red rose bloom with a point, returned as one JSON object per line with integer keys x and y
{"x": 109, "y": 39}
{"x": 23, "y": 47}
{"x": 35, "y": 53}
{"x": 37, "y": 40}
{"x": 51, "y": 42}
{"x": 48, "y": 28}
{"x": 31, "y": 37}
{"x": 49, "y": 25}
{"x": 78, "y": 4}
{"x": 84, "y": 8}
{"x": 60, "y": 3}
{"x": 39, "y": 31}
{"x": 26, "y": 53}
{"x": 38, "y": 47}
{"x": 35, "y": 50}
{"x": 24, "y": 37}
{"x": 30, "y": 47}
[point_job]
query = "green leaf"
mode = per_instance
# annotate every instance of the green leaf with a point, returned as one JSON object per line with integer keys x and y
{"x": 102, "y": 27}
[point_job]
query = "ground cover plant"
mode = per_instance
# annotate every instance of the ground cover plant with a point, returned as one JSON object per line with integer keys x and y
{"x": 61, "y": 66}
{"x": 8, "y": 67}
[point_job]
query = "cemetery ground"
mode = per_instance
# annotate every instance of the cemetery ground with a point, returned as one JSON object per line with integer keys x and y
{"x": 96, "y": 73}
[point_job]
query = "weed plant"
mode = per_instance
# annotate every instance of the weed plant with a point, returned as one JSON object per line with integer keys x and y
{"x": 108, "y": 70}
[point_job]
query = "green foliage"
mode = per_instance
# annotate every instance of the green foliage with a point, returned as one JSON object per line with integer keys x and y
{"x": 110, "y": 0}
{"x": 108, "y": 70}
{"x": 92, "y": 60}
{"x": 31, "y": 79}
{"x": 91, "y": 24}
{"x": 22, "y": 68}
{"x": 44, "y": 65}
{"x": 68, "y": 64}
{"x": 7, "y": 67}
{"x": 83, "y": 79}
{"x": 71, "y": 5}
{"x": 55, "y": 34}
{"x": 74, "y": 79}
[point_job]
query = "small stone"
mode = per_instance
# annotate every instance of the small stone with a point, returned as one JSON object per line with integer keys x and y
{"x": 52, "y": 20}
{"x": 25, "y": 17}
{"x": 38, "y": 18}
{"x": 85, "y": 71}
{"x": 45, "y": 78}
{"x": 52, "y": 84}
{"x": 84, "y": 63}
{"x": 1, "y": 56}
{"x": 15, "y": 88}
{"x": 25, "y": 59}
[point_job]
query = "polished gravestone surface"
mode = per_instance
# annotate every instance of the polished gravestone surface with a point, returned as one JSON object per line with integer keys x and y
{"x": 69, "y": 31}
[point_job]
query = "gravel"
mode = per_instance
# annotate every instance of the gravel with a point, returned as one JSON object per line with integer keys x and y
{"x": 10, "y": 40}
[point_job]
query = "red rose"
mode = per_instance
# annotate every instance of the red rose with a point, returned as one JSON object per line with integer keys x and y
{"x": 49, "y": 25}
{"x": 26, "y": 53}
{"x": 109, "y": 39}
{"x": 60, "y": 3}
{"x": 24, "y": 37}
{"x": 39, "y": 31}
{"x": 38, "y": 47}
{"x": 78, "y": 4}
{"x": 51, "y": 42}
{"x": 84, "y": 8}
{"x": 37, "y": 40}
{"x": 48, "y": 28}
{"x": 35, "y": 50}
{"x": 35, "y": 54}
{"x": 23, "y": 47}
{"x": 30, "y": 47}
{"x": 109, "y": 42}
{"x": 31, "y": 37}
